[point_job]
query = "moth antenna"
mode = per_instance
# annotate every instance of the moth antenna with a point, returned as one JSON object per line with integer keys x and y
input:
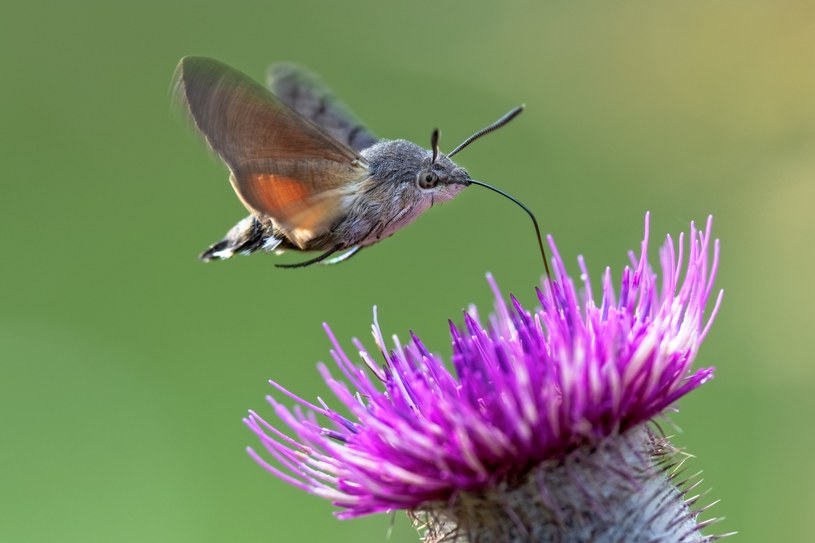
{"x": 522, "y": 206}
{"x": 484, "y": 131}
{"x": 434, "y": 144}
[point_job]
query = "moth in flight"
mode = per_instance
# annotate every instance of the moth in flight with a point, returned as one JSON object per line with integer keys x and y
{"x": 311, "y": 175}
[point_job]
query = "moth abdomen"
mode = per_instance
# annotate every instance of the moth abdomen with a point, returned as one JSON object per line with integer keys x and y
{"x": 248, "y": 236}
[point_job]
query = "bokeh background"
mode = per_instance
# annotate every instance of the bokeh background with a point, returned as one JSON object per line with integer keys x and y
{"x": 127, "y": 364}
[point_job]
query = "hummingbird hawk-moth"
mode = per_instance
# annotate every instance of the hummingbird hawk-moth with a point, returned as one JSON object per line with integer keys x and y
{"x": 311, "y": 175}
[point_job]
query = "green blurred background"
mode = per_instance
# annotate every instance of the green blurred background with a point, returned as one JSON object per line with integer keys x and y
{"x": 127, "y": 364}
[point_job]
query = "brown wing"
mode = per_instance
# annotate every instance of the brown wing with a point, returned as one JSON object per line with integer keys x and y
{"x": 307, "y": 95}
{"x": 283, "y": 166}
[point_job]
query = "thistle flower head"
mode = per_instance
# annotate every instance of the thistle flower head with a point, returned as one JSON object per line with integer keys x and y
{"x": 528, "y": 387}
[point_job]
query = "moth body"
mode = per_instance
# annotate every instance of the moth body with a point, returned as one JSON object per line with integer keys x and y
{"x": 386, "y": 199}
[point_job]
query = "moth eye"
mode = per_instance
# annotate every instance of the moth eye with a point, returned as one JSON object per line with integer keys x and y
{"x": 428, "y": 180}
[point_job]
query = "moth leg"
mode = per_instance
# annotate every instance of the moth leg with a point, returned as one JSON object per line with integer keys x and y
{"x": 343, "y": 257}
{"x": 311, "y": 261}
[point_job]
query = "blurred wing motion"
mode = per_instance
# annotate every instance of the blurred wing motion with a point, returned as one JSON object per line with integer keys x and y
{"x": 303, "y": 91}
{"x": 283, "y": 166}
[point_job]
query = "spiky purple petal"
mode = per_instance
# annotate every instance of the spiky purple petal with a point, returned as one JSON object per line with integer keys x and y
{"x": 527, "y": 388}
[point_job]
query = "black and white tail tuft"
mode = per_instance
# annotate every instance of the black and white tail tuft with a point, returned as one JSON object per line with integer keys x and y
{"x": 244, "y": 238}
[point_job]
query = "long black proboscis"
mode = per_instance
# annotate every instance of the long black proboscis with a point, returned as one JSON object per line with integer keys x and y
{"x": 528, "y": 212}
{"x": 486, "y": 130}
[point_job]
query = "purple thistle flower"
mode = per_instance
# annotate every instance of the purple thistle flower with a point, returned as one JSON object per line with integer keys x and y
{"x": 531, "y": 391}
